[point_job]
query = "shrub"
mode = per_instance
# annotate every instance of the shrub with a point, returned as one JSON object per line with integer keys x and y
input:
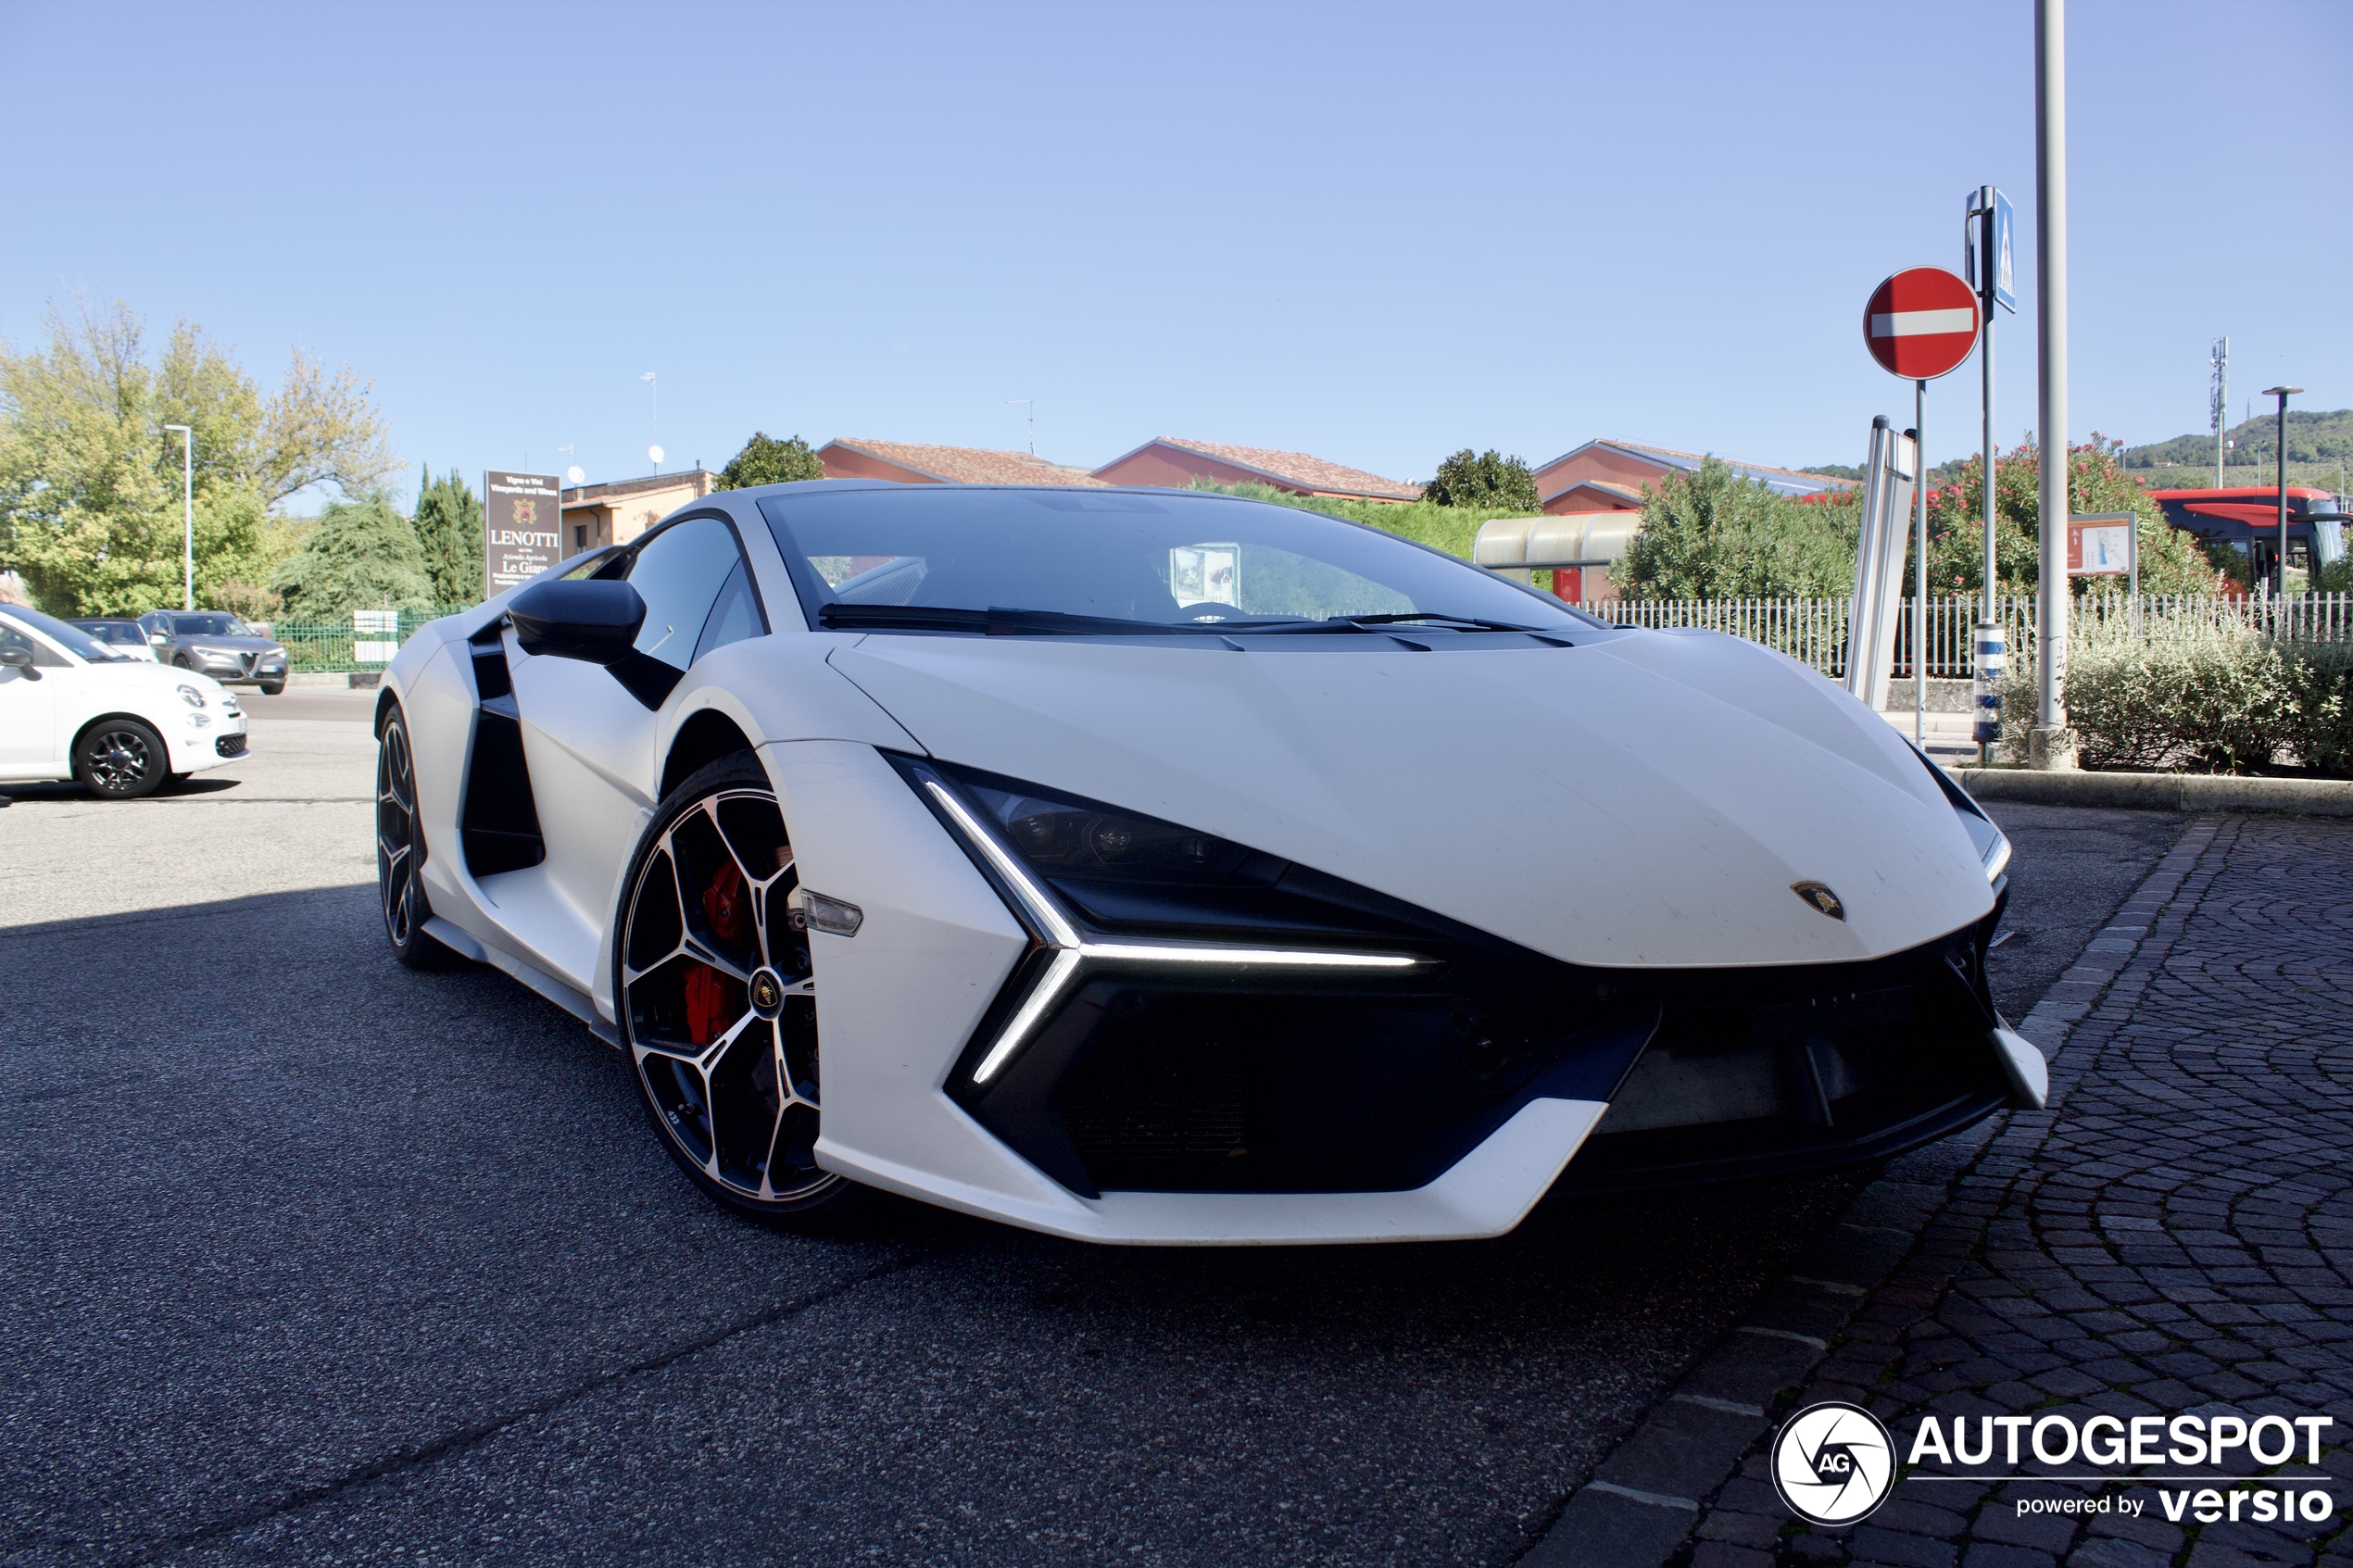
{"x": 362, "y": 554}
{"x": 2199, "y": 697}
{"x": 1710, "y": 534}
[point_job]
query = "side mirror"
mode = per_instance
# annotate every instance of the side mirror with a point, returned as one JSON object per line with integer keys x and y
{"x": 159, "y": 639}
{"x": 19, "y": 659}
{"x": 591, "y": 620}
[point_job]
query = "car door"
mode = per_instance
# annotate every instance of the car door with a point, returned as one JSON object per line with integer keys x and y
{"x": 589, "y": 739}
{"x": 30, "y": 746}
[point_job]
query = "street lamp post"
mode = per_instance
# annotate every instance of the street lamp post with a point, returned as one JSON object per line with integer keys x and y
{"x": 2279, "y": 573}
{"x": 187, "y": 513}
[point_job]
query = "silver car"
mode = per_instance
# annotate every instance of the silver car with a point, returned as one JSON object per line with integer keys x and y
{"x": 214, "y": 643}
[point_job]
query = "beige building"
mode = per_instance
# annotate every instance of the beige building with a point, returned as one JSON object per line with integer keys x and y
{"x": 597, "y": 515}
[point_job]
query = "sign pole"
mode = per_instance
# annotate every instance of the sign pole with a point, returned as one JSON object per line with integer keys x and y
{"x": 1991, "y": 653}
{"x": 1919, "y": 565}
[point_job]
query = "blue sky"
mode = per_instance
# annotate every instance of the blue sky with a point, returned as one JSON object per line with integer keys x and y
{"x": 1373, "y": 232}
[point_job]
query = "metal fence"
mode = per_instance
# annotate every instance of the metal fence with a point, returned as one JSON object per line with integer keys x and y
{"x": 333, "y": 646}
{"x": 1813, "y": 630}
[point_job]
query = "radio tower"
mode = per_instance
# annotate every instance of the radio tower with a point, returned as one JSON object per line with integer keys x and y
{"x": 2220, "y": 355}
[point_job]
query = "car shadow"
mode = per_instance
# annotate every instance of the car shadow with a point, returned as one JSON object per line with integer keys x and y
{"x": 68, "y": 791}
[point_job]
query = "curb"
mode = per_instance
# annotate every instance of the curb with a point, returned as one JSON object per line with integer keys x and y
{"x": 2161, "y": 792}
{"x": 1642, "y": 1502}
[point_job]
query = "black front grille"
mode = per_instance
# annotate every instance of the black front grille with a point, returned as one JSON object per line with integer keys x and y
{"x": 1145, "y": 1082}
{"x": 230, "y": 746}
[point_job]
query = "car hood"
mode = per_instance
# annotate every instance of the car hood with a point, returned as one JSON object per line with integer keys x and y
{"x": 239, "y": 644}
{"x": 1642, "y": 800}
{"x": 161, "y": 678}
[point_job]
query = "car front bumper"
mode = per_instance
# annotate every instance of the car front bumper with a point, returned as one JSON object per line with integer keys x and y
{"x": 195, "y": 748}
{"x": 1160, "y": 1114}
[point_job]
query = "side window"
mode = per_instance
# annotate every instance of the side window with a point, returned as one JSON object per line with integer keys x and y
{"x": 734, "y": 618}
{"x": 691, "y": 576}
{"x": 43, "y": 655}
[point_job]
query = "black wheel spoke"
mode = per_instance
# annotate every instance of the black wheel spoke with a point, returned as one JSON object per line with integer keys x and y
{"x": 720, "y": 1010}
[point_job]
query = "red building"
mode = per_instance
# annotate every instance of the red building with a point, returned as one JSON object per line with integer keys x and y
{"x": 1608, "y": 475}
{"x": 1167, "y": 460}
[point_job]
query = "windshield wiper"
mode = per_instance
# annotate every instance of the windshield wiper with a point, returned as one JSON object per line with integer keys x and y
{"x": 1406, "y": 616}
{"x": 996, "y": 621}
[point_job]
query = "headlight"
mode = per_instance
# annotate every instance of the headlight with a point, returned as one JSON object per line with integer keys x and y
{"x": 192, "y": 697}
{"x": 1991, "y": 845}
{"x": 226, "y": 654}
{"x": 1075, "y": 871}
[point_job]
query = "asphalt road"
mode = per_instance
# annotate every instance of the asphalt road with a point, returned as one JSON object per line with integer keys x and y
{"x": 306, "y": 1258}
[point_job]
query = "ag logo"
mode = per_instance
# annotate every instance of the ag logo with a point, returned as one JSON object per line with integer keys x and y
{"x": 1834, "y": 1463}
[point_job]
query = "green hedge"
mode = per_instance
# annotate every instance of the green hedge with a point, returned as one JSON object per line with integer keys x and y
{"x": 2203, "y": 699}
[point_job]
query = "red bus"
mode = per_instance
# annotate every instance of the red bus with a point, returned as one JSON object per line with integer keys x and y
{"x": 2248, "y": 520}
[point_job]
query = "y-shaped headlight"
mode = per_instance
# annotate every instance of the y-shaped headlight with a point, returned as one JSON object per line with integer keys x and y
{"x": 1022, "y": 837}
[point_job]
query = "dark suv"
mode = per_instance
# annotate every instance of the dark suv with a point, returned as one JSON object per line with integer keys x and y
{"x": 214, "y": 643}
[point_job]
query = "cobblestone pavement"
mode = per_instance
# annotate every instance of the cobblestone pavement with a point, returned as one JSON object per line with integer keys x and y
{"x": 2174, "y": 1234}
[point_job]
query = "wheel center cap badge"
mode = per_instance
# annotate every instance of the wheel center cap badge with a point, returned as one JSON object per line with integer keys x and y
{"x": 1820, "y": 898}
{"x": 1832, "y": 1464}
{"x": 767, "y": 993}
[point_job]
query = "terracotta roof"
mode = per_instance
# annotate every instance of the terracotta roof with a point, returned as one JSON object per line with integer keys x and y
{"x": 967, "y": 465}
{"x": 1298, "y": 469}
{"x": 1693, "y": 459}
{"x": 699, "y": 480}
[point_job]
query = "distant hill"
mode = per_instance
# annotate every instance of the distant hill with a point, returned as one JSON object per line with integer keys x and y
{"x": 2317, "y": 442}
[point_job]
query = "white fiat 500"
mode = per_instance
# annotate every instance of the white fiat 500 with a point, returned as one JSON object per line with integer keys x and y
{"x": 71, "y": 708}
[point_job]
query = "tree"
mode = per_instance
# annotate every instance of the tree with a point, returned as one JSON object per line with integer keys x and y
{"x": 362, "y": 554}
{"x": 765, "y": 460}
{"x": 1708, "y": 533}
{"x": 448, "y": 524}
{"x": 90, "y": 480}
{"x": 2171, "y": 561}
{"x": 1486, "y": 481}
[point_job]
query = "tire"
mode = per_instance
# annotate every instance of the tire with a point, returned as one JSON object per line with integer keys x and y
{"x": 268, "y": 690}
{"x": 121, "y": 759}
{"x": 400, "y": 853}
{"x": 700, "y": 937}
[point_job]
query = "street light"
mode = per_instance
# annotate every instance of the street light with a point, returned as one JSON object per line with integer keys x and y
{"x": 188, "y": 511}
{"x": 2283, "y": 393}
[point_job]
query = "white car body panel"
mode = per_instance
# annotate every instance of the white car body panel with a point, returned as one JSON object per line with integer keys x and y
{"x": 1640, "y": 800}
{"x": 1746, "y": 763}
{"x": 40, "y": 720}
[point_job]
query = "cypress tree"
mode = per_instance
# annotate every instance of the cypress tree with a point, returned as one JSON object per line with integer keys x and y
{"x": 448, "y": 524}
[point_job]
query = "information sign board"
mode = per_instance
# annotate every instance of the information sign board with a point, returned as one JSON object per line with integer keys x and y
{"x": 523, "y": 523}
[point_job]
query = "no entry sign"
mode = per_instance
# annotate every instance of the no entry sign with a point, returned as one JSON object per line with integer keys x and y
{"x": 1921, "y": 322}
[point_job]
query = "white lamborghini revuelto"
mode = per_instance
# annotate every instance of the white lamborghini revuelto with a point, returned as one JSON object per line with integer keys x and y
{"x": 1156, "y": 866}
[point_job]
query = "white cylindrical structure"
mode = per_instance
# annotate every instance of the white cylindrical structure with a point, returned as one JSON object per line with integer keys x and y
{"x": 2047, "y": 747}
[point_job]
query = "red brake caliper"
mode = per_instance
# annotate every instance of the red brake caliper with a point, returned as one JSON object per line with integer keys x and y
{"x": 710, "y": 1004}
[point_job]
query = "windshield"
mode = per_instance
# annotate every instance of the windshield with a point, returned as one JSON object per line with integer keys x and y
{"x": 209, "y": 625}
{"x": 1181, "y": 562}
{"x": 72, "y": 638}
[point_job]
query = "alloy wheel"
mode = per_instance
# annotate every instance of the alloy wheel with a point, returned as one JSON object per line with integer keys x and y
{"x": 396, "y": 833}
{"x": 718, "y": 1001}
{"x": 121, "y": 760}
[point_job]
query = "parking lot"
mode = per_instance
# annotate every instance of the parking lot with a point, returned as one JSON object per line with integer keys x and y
{"x": 309, "y": 1258}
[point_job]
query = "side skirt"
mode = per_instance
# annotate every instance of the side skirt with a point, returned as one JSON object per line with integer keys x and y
{"x": 577, "y": 1003}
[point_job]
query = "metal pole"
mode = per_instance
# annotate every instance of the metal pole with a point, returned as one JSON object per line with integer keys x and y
{"x": 1989, "y": 619}
{"x": 187, "y": 514}
{"x": 2046, "y": 746}
{"x": 1919, "y": 564}
{"x": 2282, "y": 570}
